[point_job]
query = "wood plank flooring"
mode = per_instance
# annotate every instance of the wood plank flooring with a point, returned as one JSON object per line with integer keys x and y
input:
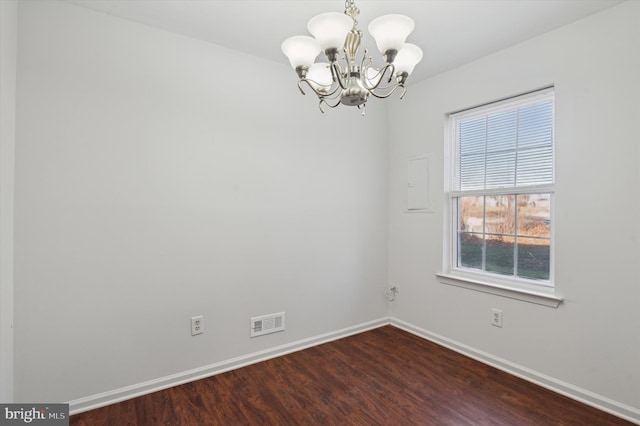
{"x": 381, "y": 377}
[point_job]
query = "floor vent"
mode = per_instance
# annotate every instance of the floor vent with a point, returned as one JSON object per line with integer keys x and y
{"x": 267, "y": 324}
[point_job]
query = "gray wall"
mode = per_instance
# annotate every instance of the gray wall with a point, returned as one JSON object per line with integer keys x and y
{"x": 159, "y": 177}
{"x": 591, "y": 341}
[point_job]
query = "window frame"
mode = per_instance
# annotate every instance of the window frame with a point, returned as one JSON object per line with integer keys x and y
{"x": 530, "y": 290}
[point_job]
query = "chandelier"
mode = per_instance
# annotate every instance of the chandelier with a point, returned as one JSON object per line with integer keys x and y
{"x": 351, "y": 83}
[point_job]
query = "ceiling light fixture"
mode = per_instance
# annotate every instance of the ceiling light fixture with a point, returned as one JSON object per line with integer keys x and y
{"x": 352, "y": 83}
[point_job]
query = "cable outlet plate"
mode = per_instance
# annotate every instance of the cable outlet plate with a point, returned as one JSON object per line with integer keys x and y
{"x": 496, "y": 317}
{"x": 197, "y": 325}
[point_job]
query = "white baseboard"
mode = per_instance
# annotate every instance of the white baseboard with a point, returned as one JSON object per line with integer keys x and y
{"x": 117, "y": 395}
{"x": 574, "y": 392}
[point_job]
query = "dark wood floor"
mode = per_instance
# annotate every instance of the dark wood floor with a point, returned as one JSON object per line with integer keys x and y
{"x": 381, "y": 377}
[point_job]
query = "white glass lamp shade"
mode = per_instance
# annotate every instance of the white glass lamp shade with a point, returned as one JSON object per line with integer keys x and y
{"x": 301, "y": 50}
{"x": 407, "y": 59}
{"x": 330, "y": 29}
{"x": 391, "y": 31}
{"x": 319, "y": 76}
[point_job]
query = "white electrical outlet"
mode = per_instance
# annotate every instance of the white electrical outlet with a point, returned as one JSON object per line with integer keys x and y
{"x": 197, "y": 325}
{"x": 496, "y": 317}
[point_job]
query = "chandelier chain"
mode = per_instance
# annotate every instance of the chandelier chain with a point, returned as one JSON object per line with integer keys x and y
{"x": 351, "y": 10}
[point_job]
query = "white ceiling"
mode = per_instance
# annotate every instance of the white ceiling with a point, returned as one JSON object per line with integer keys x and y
{"x": 450, "y": 32}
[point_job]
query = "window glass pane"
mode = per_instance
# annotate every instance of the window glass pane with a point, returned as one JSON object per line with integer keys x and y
{"x": 502, "y": 131}
{"x": 535, "y": 124}
{"x": 501, "y": 149}
{"x": 534, "y": 258}
{"x": 500, "y": 214}
{"x": 499, "y": 257}
{"x": 472, "y": 136}
{"x": 470, "y": 250}
{"x": 471, "y": 214}
{"x": 534, "y": 166}
{"x": 472, "y": 171}
{"x": 534, "y": 215}
{"x": 500, "y": 170}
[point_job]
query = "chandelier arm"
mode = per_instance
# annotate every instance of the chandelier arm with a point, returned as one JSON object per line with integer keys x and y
{"x": 363, "y": 67}
{"x": 380, "y": 76}
{"x": 318, "y": 94}
{"x": 329, "y": 94}
{"x": 377, "y": 77}
{"x": 336, "y": 74}
{"x": 333, "y": 94}
{"x": 386, "y": 95}
{"x": 324, "y": 101}
{"x": 300, "y": 87}
{"x": 391, "y": 86}
{"x": 393, "y": 70}
{"x": 387, "y": 88}
{"x": 404, "y": 92}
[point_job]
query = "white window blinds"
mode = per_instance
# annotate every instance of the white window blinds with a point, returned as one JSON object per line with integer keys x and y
{"x": 505, "y": 148}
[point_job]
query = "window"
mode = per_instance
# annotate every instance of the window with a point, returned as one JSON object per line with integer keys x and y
{"x": 500, "y": 193}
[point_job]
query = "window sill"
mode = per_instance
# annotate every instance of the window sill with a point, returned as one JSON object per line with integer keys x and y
{"x": 532, "y": 296}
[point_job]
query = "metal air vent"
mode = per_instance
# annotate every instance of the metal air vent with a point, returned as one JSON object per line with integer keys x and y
{"x": 267, "y": 324}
